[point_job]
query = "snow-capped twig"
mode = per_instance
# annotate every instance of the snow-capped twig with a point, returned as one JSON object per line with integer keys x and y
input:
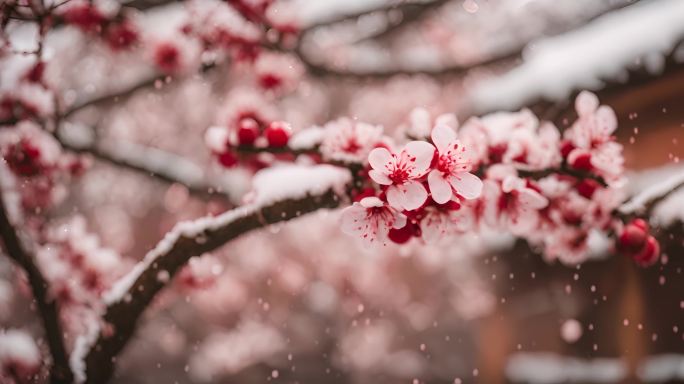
{"x": 148, "y": 161}
{"x": 645, "y": 202}
{"x": 48, "y": 308}
{"x": 308, "y": 189}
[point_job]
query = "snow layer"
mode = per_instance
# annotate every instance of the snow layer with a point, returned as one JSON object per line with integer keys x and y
{"x": 647, "y": 185}
{"x": 18, "y": 346}
{"x": 603, "y": 49}
{"x": 548, "y": 368}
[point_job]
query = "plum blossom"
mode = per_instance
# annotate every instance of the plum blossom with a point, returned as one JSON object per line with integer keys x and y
{"x": 349, "y": 141}
{"x": 452, "y": 171}
{"x": 438, "y": 223}
{"x": 401, "y": 173}
{"x": 421, "y": 122}
{"x": 371, "y": 219}
{"x": 511, "y": 202}
{"x": 590, "y": 144}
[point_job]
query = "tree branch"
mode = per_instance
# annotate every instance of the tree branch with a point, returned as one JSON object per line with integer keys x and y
{"x": 129, "y": 298}
{"x": 60, "y": 372}
{"x": 164, "y": 166}
{"x": 644, "y": 202}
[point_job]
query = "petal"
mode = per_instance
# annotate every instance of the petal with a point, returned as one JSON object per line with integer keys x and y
{"x": 420, "y": 121}
{"x": 380, "y": 159}
{"x": 371, "y": 202}
{"x": 354, "y": 220}
{"x": 606, "y": 121}
{"x": 379, "y": 177}
{"x": 431, "y": 228}
{"x": 399, "y": 221}
{"x": 467, "y": 185}
{"x": 448, "y": 119}
{"x": 421, "y": 154}
{"x": 413, "y": 195}
{"x": 439, "y": 187}
{"x": 530, "y": 198}
{"x": 586, "y": 103}
{"x": 395, "y": 198}
{"x": 442, "y": 136}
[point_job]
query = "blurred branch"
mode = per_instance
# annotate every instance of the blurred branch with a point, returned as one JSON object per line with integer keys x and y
{"x": 48, "y": 308}
{"x": 138, "y": 289}
{"x": 404, "y": 7}
{"x": 414, "y": 12}
{"x": 122, "y": 94}
{"x": 410, "y": 14}
{"x": 148, "y": 161}
{"x": 644, "y": 202}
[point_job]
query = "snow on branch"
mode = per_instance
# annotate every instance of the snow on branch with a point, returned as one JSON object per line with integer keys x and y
{"x": 148, "y": 161}
{"x": 601, "y": 50}
{"x": 49, "y": 309}
{"x": 280, "y": 194}
{"x": 646, "y": 201}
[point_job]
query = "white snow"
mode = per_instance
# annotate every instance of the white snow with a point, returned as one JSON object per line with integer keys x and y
{"x": 550, "y": 368}
{"x": 307, "y": 138}
{"x": 82, "y": 345}
{"x": 648, "y": 186}
{"x": 604, "y": 49}
{"x": 155, "y": 160}
{"x": 16, "y": 345}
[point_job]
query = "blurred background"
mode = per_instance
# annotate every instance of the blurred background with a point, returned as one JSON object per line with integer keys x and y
{"x": 301, "y": 302}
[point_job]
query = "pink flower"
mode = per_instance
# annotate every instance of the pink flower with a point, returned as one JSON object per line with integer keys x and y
{"x": 592, "y": 144}
{"x": 512, "y": 203}
{"x": 349, "y": 141}
{"x": 401, "y": 173}
{"x": 439, "y": 223}
{"x": 371, "y": 219}
{"x": 451, "y": 175}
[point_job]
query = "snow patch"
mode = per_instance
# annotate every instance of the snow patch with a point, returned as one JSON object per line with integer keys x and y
{"x": 555, "y": 66}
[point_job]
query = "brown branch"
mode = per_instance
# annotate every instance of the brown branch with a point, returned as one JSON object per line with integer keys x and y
{"x": 122, "y": 316}
{"x": 60, "y": 371}
{"x": 563, "y": 170}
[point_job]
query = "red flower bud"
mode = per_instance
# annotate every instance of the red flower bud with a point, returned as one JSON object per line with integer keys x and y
{"x": 277, "y": 134}
{"x": 649, "y": 254}
{"x": 633, "y": 236}
{"x": 228, "y": 159}
{"x": 248, "y": 131}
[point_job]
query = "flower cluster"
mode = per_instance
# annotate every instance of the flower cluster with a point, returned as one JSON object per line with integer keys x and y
{"x": 103, "y": 19}
{"x": 77, "y": 267}
{"x": 39, "y": 165}
{"x": 507, "y": 172}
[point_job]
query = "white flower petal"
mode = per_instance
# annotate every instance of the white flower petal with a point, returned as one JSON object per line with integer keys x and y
{"x": 395, "y": 198}
{"x": 439, "y": 187}
{"x": 530, "y": 198}
{"x": 467, "y": 185}
{"x": 413, "y": 195}
{"x": 379, "y": 177}
{"x": 371, "y": 202}
{"x": 421, "y": 154}
{"x": 399, "y": 221}
{"x": 380, "y": 159}
{"x": 442, "y": 136}
{"x": 586, "y": 103}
